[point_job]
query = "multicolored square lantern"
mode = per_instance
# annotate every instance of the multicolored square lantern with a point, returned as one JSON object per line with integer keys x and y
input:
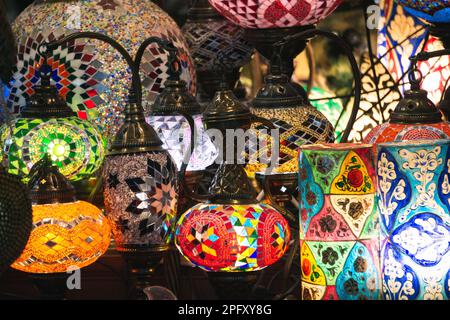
{"x": 339, "y": 231}
{"x": 413, "y": 194}
{"x": 262, "y": 14}
{"x": 141, "y": 193}
{"x": 232, "y": 238}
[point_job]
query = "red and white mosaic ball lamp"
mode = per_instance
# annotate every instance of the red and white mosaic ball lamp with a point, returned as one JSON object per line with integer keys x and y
{"x": 264, "y": 14}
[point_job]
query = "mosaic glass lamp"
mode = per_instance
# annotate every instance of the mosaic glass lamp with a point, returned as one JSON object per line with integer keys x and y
{"x": 66, "y": 233}
{"x": 339, "y": 229}
{"x": 47, "y": 125}
{"x": 413, "y": 208}
{"x": 90, "y": 75}
{"x": 230, "y": 234}
{"x": 415, "y": 118}
{"x": 214, "y": 43}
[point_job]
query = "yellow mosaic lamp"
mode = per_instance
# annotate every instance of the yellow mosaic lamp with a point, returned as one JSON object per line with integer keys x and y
{"x": 66, "y": 233}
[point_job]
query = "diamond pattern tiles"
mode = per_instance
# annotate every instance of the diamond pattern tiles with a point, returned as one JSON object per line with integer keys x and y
{"x": 261, "y": 14}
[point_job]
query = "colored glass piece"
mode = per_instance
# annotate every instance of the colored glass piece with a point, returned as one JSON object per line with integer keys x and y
{"x": 433, "y": 11}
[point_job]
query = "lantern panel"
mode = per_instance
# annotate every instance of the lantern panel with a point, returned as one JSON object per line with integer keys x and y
{"x": 232, "y": 238}
{"x": 141, "y": 194}
{"x": 338, "y": 223}
{"x": 175, "y": 133}
{"x": 64, "y": 235}
{"x": 413, "y": 194}
{"x": 262, "y": 14}
{"x": 74, "y": 146}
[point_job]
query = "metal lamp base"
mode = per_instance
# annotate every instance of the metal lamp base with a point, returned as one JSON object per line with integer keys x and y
{"x": 209, "y": 82}
{"x": 233, "y": 285}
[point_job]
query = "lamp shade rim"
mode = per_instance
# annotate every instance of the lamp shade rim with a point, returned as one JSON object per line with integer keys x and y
{"x": 413, "y": 143}
{"x": 336, "y": 146}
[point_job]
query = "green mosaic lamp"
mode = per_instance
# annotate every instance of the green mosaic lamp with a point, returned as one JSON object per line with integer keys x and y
{"x": 48, "y": 125}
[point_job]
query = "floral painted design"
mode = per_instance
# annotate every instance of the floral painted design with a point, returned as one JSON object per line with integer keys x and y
{"x": 392, "y": 190}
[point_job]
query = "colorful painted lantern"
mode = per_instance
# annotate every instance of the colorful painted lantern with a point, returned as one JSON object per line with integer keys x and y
{"x": 413, "y": 207}
{"x": 66, "y": 233}
{"x": 262, "y": 14}
{"x": 339, "y": 232}
{"x": 48, "y": 126}
{"x": 232, "y": 238}
{"x": 433, "y": 11}
{"x": 90, "y": 74}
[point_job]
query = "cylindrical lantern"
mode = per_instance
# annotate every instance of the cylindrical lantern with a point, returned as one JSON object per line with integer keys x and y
{"x": 66, "y": 233}
{"x": 413, "y": 194}
{"x": 338, "y": 223}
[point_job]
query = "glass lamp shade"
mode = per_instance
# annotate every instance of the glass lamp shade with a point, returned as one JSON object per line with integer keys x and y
{"x": 175, "y": 133}
{"x": 141, "y": 195}
{"x": 64, "y": 235}
{"x": 75, "y": 146}
{"x": 263, "y": 14}
{"x": 297, "y": 126}
{"x": 216, "y": 44}
{"x": 413, "y": 207}
{"x": 91, "y": 75}
{"x": 339, "y": 234}
{"x": 232, "y": 238}
{"x": 15, "y": 218}
{"x": 388, "y": 132}
{"x": 433, "y": 11}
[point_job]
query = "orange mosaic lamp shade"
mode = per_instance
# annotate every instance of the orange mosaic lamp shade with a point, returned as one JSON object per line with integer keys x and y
{"x": 64, "y": 235}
